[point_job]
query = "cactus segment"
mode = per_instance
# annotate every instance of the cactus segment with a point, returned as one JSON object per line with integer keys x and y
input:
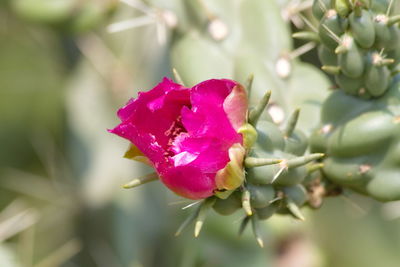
{"x": 361, "y": 142}
{"x": 355, "y": 30}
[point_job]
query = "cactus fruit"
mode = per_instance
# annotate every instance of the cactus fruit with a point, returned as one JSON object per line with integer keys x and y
{"x": 361, "y": 140}
{"x": 359, "y": 44}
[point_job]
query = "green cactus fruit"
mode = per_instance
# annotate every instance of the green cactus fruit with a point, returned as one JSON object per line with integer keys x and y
{"x": 363, "y": 29}
{"x": 361, "y": 139}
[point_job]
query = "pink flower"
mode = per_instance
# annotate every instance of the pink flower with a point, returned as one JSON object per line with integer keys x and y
{"x": 189, "y": 135}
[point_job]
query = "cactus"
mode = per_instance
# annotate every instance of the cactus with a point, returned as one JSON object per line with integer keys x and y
{"x": 359, "y": 125}
{"x": 358, "y": 44}
{"x": 361, "y": 140}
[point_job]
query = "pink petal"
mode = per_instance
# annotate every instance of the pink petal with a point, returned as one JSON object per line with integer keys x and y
{"x": 189, "y": 182}
{"x": 236, "y": 106}
{"x": 156, "y": 111}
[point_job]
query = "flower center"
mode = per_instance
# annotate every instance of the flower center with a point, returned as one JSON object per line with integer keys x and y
{"x": 173, "y": 131}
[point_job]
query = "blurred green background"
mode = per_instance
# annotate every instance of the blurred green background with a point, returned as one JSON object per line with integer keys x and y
{"x": 65, "y": 68}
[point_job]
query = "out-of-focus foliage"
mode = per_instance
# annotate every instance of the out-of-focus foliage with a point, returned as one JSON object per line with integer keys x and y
{"x": 60, "y": 171}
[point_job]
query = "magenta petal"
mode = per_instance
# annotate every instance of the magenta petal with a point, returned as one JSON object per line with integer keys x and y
{"x": 156, "y": 111}
{"x": 146, "y": 143}
{"x": 236, "y": 105}
{"x": 207, "y": 116}
{"x": 206, "y": 153}
{"x": 189, "y": 182}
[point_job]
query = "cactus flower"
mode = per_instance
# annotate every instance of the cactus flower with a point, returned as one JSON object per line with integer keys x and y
{"x": 189, "y": 135}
